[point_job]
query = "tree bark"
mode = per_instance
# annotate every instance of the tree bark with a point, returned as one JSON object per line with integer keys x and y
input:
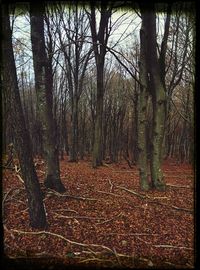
{"x": 99, "y": 40}
{"x": 97, "y": 149}
{"x": 74, "y": 135}
{"x": 142, "y": 114}
{"x": 158, "y": 99}
{"x": 21, "y": 134}
{"x": 44, "y": 85}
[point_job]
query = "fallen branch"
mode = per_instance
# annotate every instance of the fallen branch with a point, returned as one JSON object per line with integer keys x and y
{"x": 108, "y": 220}
{"x": 108, "y": 193}
{"x": 151, "y": 200}
{"x": 17, "y": 169}
{"x": 95, "y": 259}
{"x": 20, "y": 179}
{"x": 133, "y": 234}
{"x": 132, "y": 192}
{"x": 79, "y": 217}
{"x": 18, "y": 176}
{"x": 164, "y": 246}
{"x": 111, "y": 185}
{"x": 177, "y": 186}
{"x": 170, "y": 246}
{"x": 67, "y": 210}
{"x": 63, "y": 238}
{"x": 117, "y": 257}
{"x": 174, "y": 207}
{"x": 6, "y": 195}
{"x": 71, "y": 196}
{"x": 125, "y": 171}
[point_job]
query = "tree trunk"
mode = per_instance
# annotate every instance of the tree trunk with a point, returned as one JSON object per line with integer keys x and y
{"x": 157, "y": 138}
{"x": 158, "y": 98}
{"x": 43, "y": 85}
{"x": 99, "y": 40}
{"x": 74, "y": 137}
{"x": 142, "y": 115}
{"x": 97, "y": 147}
{"x": 21, "y": 135}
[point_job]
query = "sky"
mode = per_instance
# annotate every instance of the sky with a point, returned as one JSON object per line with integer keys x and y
{"x": 126, "y": 25}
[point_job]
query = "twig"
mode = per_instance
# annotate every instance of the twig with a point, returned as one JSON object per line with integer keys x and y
{"x": 125, "y": 171}
{"x": 111, "y": 185}
{"x": 71, "y": 196}
{"x": 95, "y": 259}
{"x": 170, "y": 246}
{"x": 133, "y": 234}
{"x": 132, "y": 192}
{"x": 108, "y": 220}
{"x": 174, "y": 207}
{"x": 108, "y": 193}
{"x": 67, "y": 210}
{"x": 177, "y": 186}
{"x": 151, "y": 200}
{"x": 63, "y": 238}
{"x": 79, "y": 217}
{"x": 16, "y": 169}
{"x": 164, "y": 246}
{"x": 19, "y": 177}
{"x": 117, "y": 257}
{"x": 6, "y": 195}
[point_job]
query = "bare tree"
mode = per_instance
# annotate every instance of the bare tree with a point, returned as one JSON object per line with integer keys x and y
{"x": 99, "y": 40}
{"x": 21, "y": 134}
{"x": 43, "y": 85}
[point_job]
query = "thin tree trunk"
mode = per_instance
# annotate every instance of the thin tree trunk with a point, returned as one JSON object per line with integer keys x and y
{"x": 21, "y": 134}
{"x": 44, "y": 84}
{"x": 97, "y": 147}
{"x": 74, "y": 137}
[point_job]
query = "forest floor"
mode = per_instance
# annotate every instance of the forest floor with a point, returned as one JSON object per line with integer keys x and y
{"x": 104, "y": 219}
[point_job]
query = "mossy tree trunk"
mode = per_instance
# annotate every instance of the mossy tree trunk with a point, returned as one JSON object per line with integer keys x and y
{"x": 158, "y": 98}
{"x": 142, "y": 114}
{"x": 21, "y": 134}
{"x": 44, "y": 88}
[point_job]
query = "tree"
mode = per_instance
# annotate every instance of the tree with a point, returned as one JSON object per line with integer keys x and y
{"x": 44, "y": 88}
{"x": 21, "y": 134}
{"x": 155, "y": 85}
{"x": 76, "y": 54}
{"x": 99, "y": 40}
{"x": 142, "y": 113}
